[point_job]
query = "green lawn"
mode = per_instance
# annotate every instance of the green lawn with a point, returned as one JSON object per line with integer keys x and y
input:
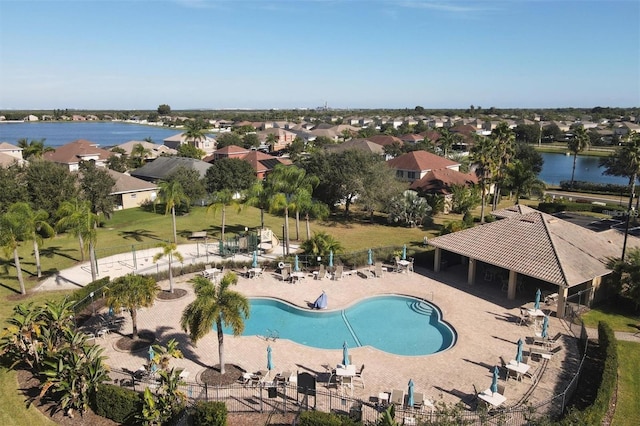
{"x": 619, "y": 319}
{"x": 627, "y": 408}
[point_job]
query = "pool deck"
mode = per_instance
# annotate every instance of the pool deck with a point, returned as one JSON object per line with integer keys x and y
{"x": 486, "y": 324}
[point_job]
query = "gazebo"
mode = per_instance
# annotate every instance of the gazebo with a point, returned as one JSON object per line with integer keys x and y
{"x": 535, "y": 244}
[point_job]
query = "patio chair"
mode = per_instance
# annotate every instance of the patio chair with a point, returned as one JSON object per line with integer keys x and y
{"x": 532, "y": 374}
{"x": 398, "y": 267}
{"x": 418, "y": 400}
{"x": 358, "y": 376}
{"x": 377, "y": 270}
{"x": 284, "y": 274}
{"x": 501, "y": 389}
{"x": 397, "y": 397}
{"x": 524, "y": 317}
{"x": 321, "y": 273}
{"x": 410, "y": 265}
{"x": 339, "y": 271}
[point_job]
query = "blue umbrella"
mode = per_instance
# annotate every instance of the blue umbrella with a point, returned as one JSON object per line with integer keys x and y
{"x": 296, "y": 267}
{"x": 494, "y": 380}
{"x": 269, "y": 360}
{"x": 331, "y": 259}
{"x": 536, "y": 304}
{"x": 410, "y": 394}
{"x": 545, "y": 326}
{"x": 321, "y": 302}
{"x": 255, "y": 260}
{"x": 404, "y": 252}
{"x": 519, "y": 352}
{"x": 345, "y": 354}
{"x": 152, "y": 353}
{"x": 370, "y": 260}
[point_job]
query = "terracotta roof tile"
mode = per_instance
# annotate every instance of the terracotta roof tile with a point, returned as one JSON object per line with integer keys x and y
{"x": 75, "y": 151}
{"x": 421, "y": 161}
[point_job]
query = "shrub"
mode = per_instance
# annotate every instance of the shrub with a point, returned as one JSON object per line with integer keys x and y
{"x": 210, "y": 413}
{"x": 116, "y": 403}
{"x": 81, "y": 296}
{"x": 319, "y": 418}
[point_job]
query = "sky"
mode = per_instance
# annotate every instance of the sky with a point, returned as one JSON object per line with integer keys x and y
{"x": 280, "y": 54}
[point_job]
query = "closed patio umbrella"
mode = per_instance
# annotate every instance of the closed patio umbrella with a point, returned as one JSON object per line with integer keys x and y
{"x": 345, "y": 354}
{"x": 321, "y": 301}
{"x": 152, "y": 353}
{"x": 269, "y": 360}
{"x": 536, "y": 304}
{"x": 494, "y": 381}
{"x": 296, "y": 266}
{"x": 254, "y": 264}
{"x": 331, "y": 259}
{"x": 410, "y": 393}
{"x": 545, "y": 326}
{"x": 370, "y": 260}
{"x": 404, "y": 252}
{"x": 519, "y": 352}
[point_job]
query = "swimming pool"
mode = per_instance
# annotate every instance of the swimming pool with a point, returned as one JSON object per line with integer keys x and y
{"x": 396, "y": 324}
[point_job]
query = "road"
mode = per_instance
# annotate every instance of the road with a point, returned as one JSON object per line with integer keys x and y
{"x": 572, "y": 196}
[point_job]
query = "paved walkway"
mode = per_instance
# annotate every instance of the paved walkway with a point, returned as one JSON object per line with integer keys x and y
{"x": 484, "y": 320}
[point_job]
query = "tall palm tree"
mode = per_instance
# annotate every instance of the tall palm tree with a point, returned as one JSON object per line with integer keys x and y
{"x": 12, "y": 231}
{"x": 578, "y": 143}
{"x": 170, "y": 251}
{"x": 483, "y": 157}
{"x": 77, "y": 216}
{"x": 271, "y": 141}
{"x": 221, "y": 200}
{"x": 446, "y": 141}
{"x": 258, "y": 195}
{"x": 138, "y": 154}
{"x": 34, "y": 149}
{"x": 35, "y": 223}
{"x": 195, "y": 131}
{"x": 504, "y": 140}
{"x": 172, "y": 195}
{"x": 523, "y": 181}
{"x": 215, "y": 304}
{"x": 289, "y": 181}
{"x": 132, "y": 292}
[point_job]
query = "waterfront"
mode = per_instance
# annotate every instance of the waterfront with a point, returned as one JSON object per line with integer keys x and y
{"x": 557, "y": 167}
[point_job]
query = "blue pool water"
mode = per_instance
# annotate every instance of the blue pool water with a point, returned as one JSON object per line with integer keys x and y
{"x": 396, "y": 324}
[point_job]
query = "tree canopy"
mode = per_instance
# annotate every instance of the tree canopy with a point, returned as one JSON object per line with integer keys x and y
{"x": 233, "y": 174}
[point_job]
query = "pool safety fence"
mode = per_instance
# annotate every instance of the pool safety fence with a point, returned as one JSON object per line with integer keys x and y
{"x": 283, "y": 398}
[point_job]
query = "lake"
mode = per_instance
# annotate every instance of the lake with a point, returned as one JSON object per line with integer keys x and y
{"x": 105, "y": 134}
{"x": 557, "y": 167}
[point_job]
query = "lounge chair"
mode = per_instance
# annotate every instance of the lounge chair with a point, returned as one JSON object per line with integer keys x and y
{"x": 397, "y": 397}
{"x": 338, "y": 274}
{"x": 284, "y": 274}
{"x": 358, "y": 376}
{"x": 501, "y": 389}
{"x": 533, "y": 373}
{"x": 377, "y": 270}
{"x": 321, "y": 273}
{"x": 410, "y": 265}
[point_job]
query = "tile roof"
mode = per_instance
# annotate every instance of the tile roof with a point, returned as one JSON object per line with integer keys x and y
{"x": 262, "y": 162}
{"x": 162, "y": 167}
{"x": 440, "y": 181}
{"x": 126, "y": 183}
{"x": 6, "y": 146}
{"x": 538, "y": 245}
{"x": 357, "y": 144}
{"x": 75, "y": 151}
{"x": 385, "y": 140}
{"x": 421, "y": 161}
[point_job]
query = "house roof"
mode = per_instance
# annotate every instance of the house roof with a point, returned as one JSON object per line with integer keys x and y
{"x": 538, "y": 245}
{"x": 231, "y": 149}
{"x": 154, "y": 148}
{"x": 421, "y": 161}
{"x": 6, "y": 160}
{"x": 515, "y": 210}
{"x": 440, "y": 181}
{"x": 357, "y": 144}
{"x": 6, "y": 146}
{"x": 412, "y": 138}
{"x": 432, "y": 135}
{"x": 162, "y": 167}
{"x": 76, "y": 151}
{"x": 125, "y": 183}
{"x": 385, "y": 140}
{"x": 262, "y": 162}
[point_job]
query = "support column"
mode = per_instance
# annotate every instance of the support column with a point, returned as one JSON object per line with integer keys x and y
{"x": 513, "y": 277}
{"x": 471, "y": 271}
{"x": 562, "y": 300}
{"x": 595, "y": 285}
{"x": 436, "y": 259}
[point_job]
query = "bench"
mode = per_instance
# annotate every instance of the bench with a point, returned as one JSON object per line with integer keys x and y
{"x": 198, "y": 234}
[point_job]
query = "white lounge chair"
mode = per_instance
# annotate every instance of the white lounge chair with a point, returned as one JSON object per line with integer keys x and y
{"x": 339, "y": 271}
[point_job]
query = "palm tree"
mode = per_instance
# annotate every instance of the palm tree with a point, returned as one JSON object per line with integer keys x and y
{"x": 132, "y": 292}
{"x": 215, "y": 304}
{"x": 77, "y": 216}
{"x": 12, "y": 231}
{"x": 259, "y": 196}
{"x": 578, "y": 143}
{"x": 34, "y": 149}
{"x": 271, "y": 141}
{"x": 221, "y": 200}
{"x": 195, "y": 131}
{"x": 483, "y": 157}
{"x": 35, "y": 223}
{"x": 523, "y": 181}
{"x": 321, "y": 244}
{"x": 170, "y": 251}
{"x": 138, "y": 154}
{"x": 504, "y": 139}
{"x": 288, "y": 181}
{"x": 446, "y": 141}
{"x": 172, "y": 195}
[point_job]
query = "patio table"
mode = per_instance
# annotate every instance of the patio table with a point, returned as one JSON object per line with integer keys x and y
{"x": 520, "y": 368}
{"x": 495, "y": 399}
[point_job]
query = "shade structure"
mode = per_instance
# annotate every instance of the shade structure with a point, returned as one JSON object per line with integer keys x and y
{"x": 494, "y": 380}
{"x": 321, "y": 301}
{"x": 545, "y": 326}
{"x": 410, "y": 400}
{"x": 519, "y": 351}
{"x": 331, "y": 259}
{"x": 152, "y": 353}
{"x": 269, "y": 359}
{"x": 370, "y": 259}
{"x": 536, "y": 304}
{"x": 296, "y": 266}
{"x": 404, "y": 252}
{"x": 254, "y": 264}
{"x": 345, "y": 354}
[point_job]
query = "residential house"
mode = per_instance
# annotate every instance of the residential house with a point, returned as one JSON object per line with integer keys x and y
{"x": 230, "y": 151}
{"x": 283, "y": 138}
{"x": 359, "y": 144}
{"x": 130, "y": 192}
{"x": 74, "y": 152}
{"x": 263, "y": 163}
{"x": 385, "y": 140}
{"x": 414, "y": 165}
{"x": 206, "y": 144}
{"x": 412, "y": 138}
{"x": 162, "y": 167}
{"x": 441, "y": 182}
{"x": 10, "y": 154}
{"x": 154, "y": 150}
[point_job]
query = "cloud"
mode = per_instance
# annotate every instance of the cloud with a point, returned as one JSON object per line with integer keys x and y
{"x": 457, "y": 7}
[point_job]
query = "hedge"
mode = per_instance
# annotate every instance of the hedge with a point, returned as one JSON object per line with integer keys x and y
{"x": 319, "y": 418}
{"x": 82, "y": 295}
{"x": 210, "y": 413}
{"x": 599, "y": 188}
{"x": 557, "y": 207}
{"x": 117, "y": 403}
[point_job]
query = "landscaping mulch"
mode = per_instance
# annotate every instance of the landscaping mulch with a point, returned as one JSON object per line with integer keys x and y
{"x": 167, "y": 295}
{"x": 212, "y": 376}
{"x": 128, "y": 344}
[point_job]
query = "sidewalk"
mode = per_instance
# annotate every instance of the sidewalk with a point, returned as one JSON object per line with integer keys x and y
{"x": 141, "y": 262}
